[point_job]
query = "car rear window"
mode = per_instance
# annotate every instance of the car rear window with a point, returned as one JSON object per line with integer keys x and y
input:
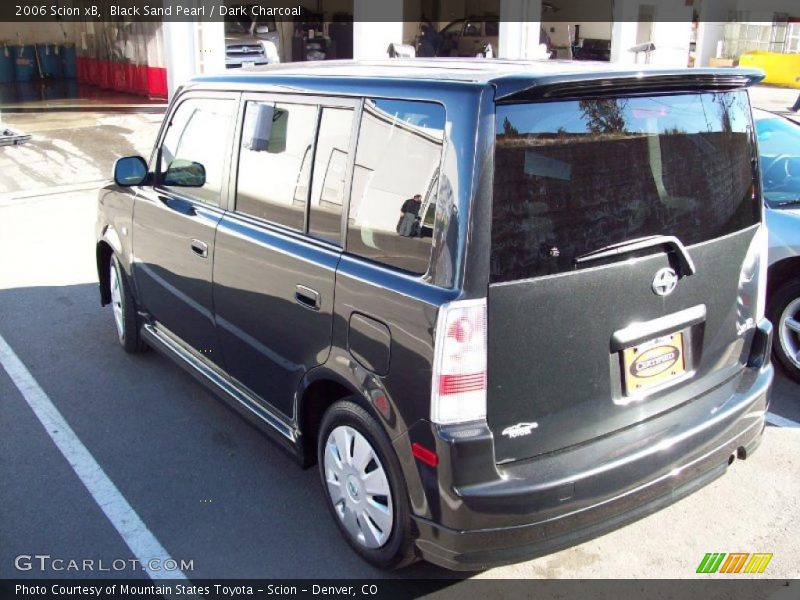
{"x": 575, "y": 176}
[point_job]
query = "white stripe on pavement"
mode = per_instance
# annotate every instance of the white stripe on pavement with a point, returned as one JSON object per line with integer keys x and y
{"x": 134, "y": 532}
{"x": 780, "y": 421}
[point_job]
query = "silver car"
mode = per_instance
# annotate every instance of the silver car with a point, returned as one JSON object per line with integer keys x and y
{"x": 779, "y": 154}
{"x": 250, "y": 42}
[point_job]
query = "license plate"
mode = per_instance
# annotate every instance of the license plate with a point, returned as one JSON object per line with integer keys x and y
{"x": 653, "y": 364}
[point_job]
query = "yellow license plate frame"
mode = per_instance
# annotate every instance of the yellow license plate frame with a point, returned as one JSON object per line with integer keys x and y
{"x": 653, "y": 364}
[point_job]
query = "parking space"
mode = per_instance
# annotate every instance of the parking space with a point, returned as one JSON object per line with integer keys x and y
{"x": 209, "y": 487}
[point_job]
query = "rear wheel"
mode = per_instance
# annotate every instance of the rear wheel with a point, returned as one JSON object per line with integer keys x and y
{"x": 124, "y": 308}
{"x": 364, "y": 486}
{"x": 784, "y": 312}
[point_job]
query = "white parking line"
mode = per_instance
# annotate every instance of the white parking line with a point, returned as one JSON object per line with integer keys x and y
{"x": 780, "y": 421}
{"x": 134, "y": 532}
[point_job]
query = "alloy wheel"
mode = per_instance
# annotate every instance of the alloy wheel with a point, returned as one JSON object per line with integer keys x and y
{"x": 789, "y": 331}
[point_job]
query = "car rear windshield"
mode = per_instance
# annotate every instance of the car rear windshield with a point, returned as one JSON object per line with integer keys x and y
{"x": 575, "y": 176}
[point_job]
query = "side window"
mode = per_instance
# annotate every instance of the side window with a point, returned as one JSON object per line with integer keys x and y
{"x": 330, "y": 173}
{"x": 274, "y": 162}
{"x": 395, "y": 183}
{"x": 195, "y": 147}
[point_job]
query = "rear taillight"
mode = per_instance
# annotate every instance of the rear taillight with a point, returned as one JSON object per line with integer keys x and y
{"x": 459, "y": 365}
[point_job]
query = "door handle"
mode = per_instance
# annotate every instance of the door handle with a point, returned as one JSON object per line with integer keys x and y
{"x": 199, "y": 248}
{"x": 307, "y": 297}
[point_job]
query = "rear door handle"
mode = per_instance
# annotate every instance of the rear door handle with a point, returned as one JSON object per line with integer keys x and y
{"x": 199, "y": 248}
{"x": 307, "y": 297}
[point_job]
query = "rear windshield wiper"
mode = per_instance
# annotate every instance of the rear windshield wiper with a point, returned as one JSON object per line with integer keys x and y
{"x": 668, "y": 242}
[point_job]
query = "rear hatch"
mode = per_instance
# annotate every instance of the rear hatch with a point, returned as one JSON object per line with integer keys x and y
{"x": 620, "y": 229}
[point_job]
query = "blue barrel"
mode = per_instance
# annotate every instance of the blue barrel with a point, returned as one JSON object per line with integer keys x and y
{"x": 25, "y": 62}
{"x": 69, "y": 61}
{"x": 58, "y": 63}
{"x": 7, "y": 74}
{"x": 49, "y": 60}
{"x": 53, "y": 89}
{"x": 29, "y": 91}
{"x": 70, "y": 88}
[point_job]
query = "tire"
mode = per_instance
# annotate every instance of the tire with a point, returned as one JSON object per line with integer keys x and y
{"x": 364, "y": 486}
{"x": 124, "y": 308}
{"x": 783, "y": 309}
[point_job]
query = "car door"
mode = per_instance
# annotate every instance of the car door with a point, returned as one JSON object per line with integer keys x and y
{"x": 471, "y": 41}
{"x": 277, "y": 250}
{"x": 175, "y": 220}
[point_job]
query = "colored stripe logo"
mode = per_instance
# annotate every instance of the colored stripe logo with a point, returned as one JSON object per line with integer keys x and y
{"x": 734, "y": 562}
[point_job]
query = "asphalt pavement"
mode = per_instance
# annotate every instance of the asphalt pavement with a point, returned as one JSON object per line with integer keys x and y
{"x": 208, "y": 487}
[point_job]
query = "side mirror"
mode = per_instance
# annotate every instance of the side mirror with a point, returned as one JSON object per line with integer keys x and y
{"x": 262, "y": 29}
{"x": 131, "y": 170}
{"x": 185, "y": 173}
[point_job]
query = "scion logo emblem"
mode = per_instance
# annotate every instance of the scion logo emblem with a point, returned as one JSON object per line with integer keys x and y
{"x": 665, "y": 281}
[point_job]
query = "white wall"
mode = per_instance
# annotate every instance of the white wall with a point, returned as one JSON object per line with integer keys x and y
{"x": 670, "y": 32}
{"x": 519, "y": 28}
{"x": 371, "y": 39}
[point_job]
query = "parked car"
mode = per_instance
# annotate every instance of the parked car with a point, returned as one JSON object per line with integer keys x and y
{"x": 469, "y": 37}
{"x": 250, "y": 41}
{"x": 568, "y": 336}
{"x": 779, "y": 155}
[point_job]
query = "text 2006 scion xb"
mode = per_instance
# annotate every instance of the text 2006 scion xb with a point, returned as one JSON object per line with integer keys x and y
{"x": 504, "y": 306}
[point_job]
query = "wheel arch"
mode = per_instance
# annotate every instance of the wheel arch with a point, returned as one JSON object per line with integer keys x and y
{"x": 780, "y": 272}
{"x": 319, "y": 389}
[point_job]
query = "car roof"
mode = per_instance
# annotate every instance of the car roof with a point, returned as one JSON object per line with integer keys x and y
{"x": 509, "y": 77}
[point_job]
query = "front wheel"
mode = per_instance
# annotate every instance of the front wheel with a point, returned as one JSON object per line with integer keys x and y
{"x": 364, "y": 486}
{"x": 124, "y": 308}
{"x": 784, "y": 312}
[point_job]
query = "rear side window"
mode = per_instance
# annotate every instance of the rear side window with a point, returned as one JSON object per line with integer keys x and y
{"x": 572, "y": 177}
{"x": 395, "y": 183}
{"x": 275, "y": 161}
{"x": 198, "y": 138}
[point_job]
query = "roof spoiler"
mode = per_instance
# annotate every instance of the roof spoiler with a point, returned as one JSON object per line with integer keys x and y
{"x": 602, "y": 84}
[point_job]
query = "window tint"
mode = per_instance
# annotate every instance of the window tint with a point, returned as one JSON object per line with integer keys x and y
{"x": 199, "y": 132}
{"x": 330, "y": 173}
{"x": 395, "y": 182}
{"x": 573, "y": 177}
{"x": 275, "y": 161}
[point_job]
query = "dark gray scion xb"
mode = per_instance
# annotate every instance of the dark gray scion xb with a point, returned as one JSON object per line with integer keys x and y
{"x": 504, "y": 306}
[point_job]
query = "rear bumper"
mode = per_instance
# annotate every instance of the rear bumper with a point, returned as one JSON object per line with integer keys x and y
{"x": 539, "y": 506}
{"x": 233, "y": 63}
